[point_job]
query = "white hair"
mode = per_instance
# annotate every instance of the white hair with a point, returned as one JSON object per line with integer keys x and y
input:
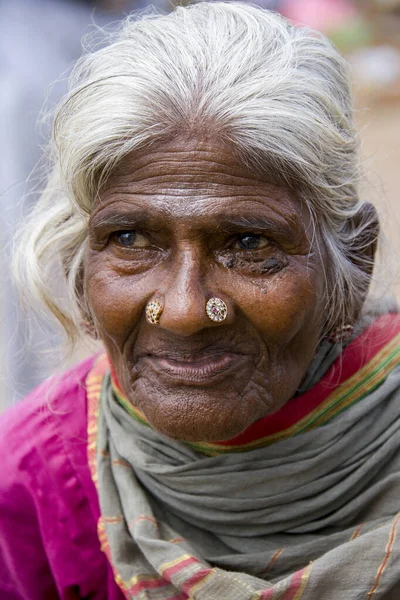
{"x": 278, "y": 94}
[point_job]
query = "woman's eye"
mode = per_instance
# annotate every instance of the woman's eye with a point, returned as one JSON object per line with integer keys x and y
{"x": 130, "y": 239}
{"x": 251, "y": 241}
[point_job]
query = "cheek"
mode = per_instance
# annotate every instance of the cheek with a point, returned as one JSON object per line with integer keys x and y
{"x": 291, "y": 304}
{"x": 115, "y": 301}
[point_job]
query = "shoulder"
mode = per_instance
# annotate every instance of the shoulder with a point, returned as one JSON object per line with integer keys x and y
{"x": 57, "y": 405}
{"x": 46, "y": 492}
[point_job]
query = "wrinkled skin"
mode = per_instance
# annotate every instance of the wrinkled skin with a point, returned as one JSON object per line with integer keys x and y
{"x": 182, "y": 223}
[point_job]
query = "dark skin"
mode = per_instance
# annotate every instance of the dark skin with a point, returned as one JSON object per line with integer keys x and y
{"x": 181, "y": 223}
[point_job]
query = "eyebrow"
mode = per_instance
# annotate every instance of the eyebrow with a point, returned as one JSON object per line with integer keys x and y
{"x": 250, "y": 222}
{"x": 147, "y": 221}
{"x": 124, "y": 219}
{"x": 277, "y": 226}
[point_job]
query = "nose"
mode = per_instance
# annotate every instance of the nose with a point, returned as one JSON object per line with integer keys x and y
{"x": 186, "y": 294}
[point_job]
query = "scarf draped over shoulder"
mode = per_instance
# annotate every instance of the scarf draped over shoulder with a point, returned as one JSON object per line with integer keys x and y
{"x": 304, "y": 505}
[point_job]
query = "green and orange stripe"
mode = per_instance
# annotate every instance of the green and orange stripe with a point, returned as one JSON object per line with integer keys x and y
{"x": 361, "y": 368}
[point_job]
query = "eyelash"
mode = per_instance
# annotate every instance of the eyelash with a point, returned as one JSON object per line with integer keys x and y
{"x": 264, "y": 241}
{"x": 251, "y": 260}
{"x": 114, "y": 238}
{"x": 236, "y": 239}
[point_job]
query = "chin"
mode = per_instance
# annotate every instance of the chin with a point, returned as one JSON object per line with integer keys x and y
{"x": 195, "y": 429}
{"x": 201, "y": 415}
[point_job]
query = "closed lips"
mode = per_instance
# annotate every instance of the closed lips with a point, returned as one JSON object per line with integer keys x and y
{"x": 194, "y": 369}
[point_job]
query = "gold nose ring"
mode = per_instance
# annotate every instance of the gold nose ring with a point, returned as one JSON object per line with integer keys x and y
{"x": 153, "y": 312}
{"x": 216, "y": 310}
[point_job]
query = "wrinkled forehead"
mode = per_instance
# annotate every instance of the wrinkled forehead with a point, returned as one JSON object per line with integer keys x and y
{"x": 199, "y": 176}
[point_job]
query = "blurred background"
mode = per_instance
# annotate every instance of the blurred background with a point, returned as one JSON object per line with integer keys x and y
{"x": 41, "y": 39}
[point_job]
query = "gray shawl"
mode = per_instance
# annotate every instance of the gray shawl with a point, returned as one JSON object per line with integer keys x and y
{"x": 312, "y": 517}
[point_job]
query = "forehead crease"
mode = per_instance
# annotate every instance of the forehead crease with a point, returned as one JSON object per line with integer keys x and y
{"x": 197, "y": 190}
{"x": 186, "y": 177}
{"x": 174, "y": 160}
{"x": 183, "y": 166}
{"x": 184, "y": 190}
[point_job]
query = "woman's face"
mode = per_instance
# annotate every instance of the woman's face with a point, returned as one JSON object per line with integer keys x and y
{"x": 183, "y": 223}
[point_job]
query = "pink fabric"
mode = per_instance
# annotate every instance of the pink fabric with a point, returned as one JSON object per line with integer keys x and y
{"x": 324, "y": 15}
{"x": 49, "y": 509}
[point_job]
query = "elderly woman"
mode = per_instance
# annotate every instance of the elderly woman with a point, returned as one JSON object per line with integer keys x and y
{"x": 238, "y": 439}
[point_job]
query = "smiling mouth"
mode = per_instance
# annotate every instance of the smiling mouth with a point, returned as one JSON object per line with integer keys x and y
{"x": 200, "y": 370}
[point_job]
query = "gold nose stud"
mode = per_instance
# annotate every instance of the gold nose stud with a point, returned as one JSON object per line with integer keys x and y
{"x": 153, "y": 312}
{"x": 216, "y": 310}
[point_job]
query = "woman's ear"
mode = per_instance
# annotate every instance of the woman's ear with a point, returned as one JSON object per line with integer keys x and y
{"x": 87, "y": 324}
{"x": 364, "y": 244}
{"x": 363, "y": 231}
